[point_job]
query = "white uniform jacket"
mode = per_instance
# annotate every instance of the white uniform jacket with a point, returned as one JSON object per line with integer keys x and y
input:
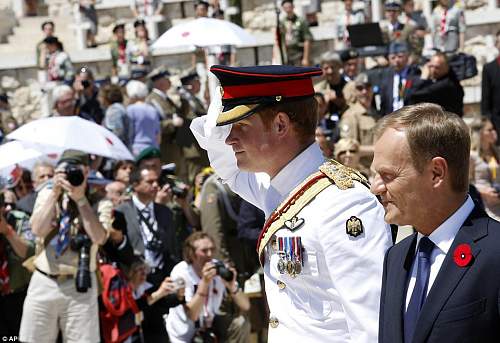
{"x": 336, "y": 296}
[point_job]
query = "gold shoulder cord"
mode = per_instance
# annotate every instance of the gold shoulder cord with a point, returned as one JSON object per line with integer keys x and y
{"x": 343, "y": 177}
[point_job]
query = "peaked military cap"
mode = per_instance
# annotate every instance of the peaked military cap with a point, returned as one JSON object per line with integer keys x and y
{"x": 348, "y": 54}
{"x": 393, "y": 5}
{"x": 398, "y": 47}
{"x": 246, "y": 90}
{"x": 158, "y": 73}
{"x": 188, "y": 76}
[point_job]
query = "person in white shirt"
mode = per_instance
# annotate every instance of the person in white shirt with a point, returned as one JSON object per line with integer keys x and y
{"x": 441, "y": 283}
{"x": 324, "y": 240}
{"x": 206, "y": 289}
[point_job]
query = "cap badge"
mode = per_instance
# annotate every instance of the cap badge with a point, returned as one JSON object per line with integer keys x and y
{"x": 354, "y": 226}
{"x": 278, "y": 98}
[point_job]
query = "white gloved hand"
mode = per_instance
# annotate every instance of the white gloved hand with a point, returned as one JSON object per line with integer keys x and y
{"x": 210, "y": 127}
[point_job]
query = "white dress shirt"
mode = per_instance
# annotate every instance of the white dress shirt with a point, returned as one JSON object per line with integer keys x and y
{"x": 151, "y": 256}
{"x": 442, "y": 238}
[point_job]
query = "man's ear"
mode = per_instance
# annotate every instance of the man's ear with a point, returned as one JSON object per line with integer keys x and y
{"x": 439, "y": 170}
{"x": 281, "y": 124}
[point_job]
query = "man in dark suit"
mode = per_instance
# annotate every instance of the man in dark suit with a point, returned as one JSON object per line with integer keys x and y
{"x": 391, "y": 84}
{"x": 490, "y": 89}
{"x": 439, "y": 86}
{"x": 440, "y": 284}
{"x": 151, "y": 234}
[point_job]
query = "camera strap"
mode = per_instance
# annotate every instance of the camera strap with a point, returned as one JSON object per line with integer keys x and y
{"x": 149, "y": 225}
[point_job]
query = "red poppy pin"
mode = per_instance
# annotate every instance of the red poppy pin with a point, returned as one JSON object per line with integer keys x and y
{"x": 462, "y": 255}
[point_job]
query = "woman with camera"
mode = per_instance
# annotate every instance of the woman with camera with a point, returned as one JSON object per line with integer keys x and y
{"x": 485, "y": 163}
{"x": 210, "y": 285}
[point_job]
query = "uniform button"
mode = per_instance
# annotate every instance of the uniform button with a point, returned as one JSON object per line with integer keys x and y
{"x": 273, "y": 322}
{"x": 281, "y": 284}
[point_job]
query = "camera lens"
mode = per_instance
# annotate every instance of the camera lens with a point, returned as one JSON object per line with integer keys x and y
{"x": 74, "y": 175}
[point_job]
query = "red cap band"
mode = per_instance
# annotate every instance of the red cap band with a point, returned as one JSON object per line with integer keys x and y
{"x": 286, "y": 89}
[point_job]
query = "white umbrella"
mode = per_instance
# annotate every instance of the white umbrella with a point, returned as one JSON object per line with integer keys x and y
{"x": 204, "y": 32}
{"x": 15, "y": 152}
{"x": 72, "y": 133}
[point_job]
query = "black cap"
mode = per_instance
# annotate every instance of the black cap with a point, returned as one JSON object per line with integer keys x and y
{"x": 158, "y": 73}
{"x": 348, "y": 54}
{"x": 246, "y": 90}
{"x": 188, "y": 77}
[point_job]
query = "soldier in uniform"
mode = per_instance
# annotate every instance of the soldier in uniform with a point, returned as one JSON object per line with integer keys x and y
{"x": 394, "y": 30}
{"x": 360, "y": 118}
{"x": 295, "y": 36}
{"x": 324, "y": 240}
{"x": 194, "y": 159}
{"x": 169, "y": 113}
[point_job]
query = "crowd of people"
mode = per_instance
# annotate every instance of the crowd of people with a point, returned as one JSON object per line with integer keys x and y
{"x": 160, "y": 248}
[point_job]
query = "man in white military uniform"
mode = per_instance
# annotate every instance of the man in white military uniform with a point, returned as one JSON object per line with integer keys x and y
{"x": 324, "y": 241}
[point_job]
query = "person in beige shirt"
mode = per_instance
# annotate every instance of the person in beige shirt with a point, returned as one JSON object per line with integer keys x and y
{"x": 57, "y": 300}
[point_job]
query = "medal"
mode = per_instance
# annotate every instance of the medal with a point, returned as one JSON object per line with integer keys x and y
{"x": 281, "y": 266}
{"x": 298, "y": 267}
{"x": 290, "y": 268}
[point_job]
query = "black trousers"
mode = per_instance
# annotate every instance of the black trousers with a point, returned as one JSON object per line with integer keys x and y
{"x": 11, "y": 313}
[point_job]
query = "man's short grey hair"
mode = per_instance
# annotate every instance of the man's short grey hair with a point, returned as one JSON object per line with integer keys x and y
{"x": 137, "y": 90}
{"x": 330, "y": 57}
{"x": 59, "y": 91}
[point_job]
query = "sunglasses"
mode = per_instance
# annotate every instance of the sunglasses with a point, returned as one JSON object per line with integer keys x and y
{"x": 363, "y": 87}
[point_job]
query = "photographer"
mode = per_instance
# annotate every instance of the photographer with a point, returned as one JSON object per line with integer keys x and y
{"x": 208, "y": 284}
{"x": 150, "y": 232}
{"x": 87, "y": 95}
{"x": 16, "y": 244}
{"x": 62, "y": 294}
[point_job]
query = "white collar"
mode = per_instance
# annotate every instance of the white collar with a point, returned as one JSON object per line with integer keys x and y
{"x": 140, "y": 205}
{"x": 444, "y": 235}
{"x": 306, "y": 163}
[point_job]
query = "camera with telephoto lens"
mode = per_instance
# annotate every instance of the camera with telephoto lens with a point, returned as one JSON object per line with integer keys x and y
{"x": 167, "y": 176}
{"x": 223, "y": 271}
{"x": 74, "y": 174}
{"x": 82, "y": 243}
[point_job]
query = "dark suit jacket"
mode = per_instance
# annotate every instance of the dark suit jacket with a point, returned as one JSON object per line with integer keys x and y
{"x": 385, "y": 84}
{"x": 463, "y": 303}
{"x": 446, "y": 92}
{"x": 163, "y": 217}
{"x": 490, "y": 92}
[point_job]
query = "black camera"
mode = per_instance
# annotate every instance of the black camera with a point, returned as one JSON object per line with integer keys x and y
{"x": 179, "y": 188}
{"x": 82, "y": 243}
{"x": 85, "y": 83}
{"x": 74, "y": 174}
{"x": 223, "y": 271}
